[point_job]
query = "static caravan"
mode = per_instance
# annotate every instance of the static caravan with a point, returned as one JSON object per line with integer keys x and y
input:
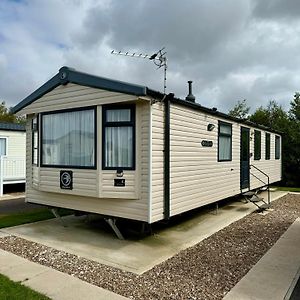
{"x": 123, "y": 150}
{"x": 12, "y": 154}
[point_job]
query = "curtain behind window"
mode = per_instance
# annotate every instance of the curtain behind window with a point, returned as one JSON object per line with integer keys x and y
{"x": 118, "y": 115}
{"x": 68, "y": 138}
{"x": 225, "y": 133}
{"x": 118, "y": 140}
{"x": 224, "y": 148}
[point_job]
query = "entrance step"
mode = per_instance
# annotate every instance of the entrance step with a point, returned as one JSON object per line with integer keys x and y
{"x": 264, "y": 188}
{"x": 264, "y": 206}
{"x": 250, "y": 193}
{"x": 255, "y": 199}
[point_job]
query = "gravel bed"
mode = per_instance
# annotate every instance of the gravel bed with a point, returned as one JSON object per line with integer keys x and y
{"x": 207, "y": 270}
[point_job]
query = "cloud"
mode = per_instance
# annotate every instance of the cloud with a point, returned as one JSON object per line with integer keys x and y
{"x": 277, "y": 9}
{"x": 232, "y": 49}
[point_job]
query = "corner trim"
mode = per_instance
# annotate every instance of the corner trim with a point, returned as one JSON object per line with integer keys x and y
{"x": 150, "y": 167}
{"x": 167, "y": 157}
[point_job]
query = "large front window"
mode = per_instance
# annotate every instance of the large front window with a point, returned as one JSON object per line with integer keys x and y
{"x": 225, "y": 142}
{"x": 118, "y": 137}
{"x": 68, "y": 139}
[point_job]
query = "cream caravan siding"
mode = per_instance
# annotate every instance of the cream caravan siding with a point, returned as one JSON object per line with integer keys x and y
{"x": 157, "y": 205}
{"x": 93, "y": 190}
{"x": 197, "y": 178}
{"x": 14, "y": 161}
{"x": 15, "y": 143}
{"x": 72, "y": 96}
{"x": 271, "y": 167}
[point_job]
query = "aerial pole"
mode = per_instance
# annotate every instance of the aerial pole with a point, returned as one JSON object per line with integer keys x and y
{"x": 159, "y": 58}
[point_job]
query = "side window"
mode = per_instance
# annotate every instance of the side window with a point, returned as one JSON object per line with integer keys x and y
{"x": 3, "y": 146}
{"x": 257, "y": 145}
{"x": 35, "y": 140}
{"x": 225, "y": 142}
{"x": 277, "y": 147}
{"x": 118, "y": 137}
{"x": 268, "y": 139}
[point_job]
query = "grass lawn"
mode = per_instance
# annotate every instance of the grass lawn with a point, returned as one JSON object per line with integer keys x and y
{"x": 10, "y": 290}
{"x": 15, "y": 219}
{"x": 289, "y": 189}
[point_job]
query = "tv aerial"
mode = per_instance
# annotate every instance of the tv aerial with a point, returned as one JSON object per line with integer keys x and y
{"x": 159, "y": 58}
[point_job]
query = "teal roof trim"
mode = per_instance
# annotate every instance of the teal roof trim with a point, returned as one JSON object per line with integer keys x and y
{"x": 66, "y": 75}
{"x": 12, "y": 126}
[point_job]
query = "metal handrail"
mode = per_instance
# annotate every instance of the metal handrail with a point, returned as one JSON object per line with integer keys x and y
{"x": 258, "y": 178}
{"x": 268, "y": 185}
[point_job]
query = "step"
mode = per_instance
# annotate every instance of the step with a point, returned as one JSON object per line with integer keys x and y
{"x": 250, "y": 193}
{"x": 264, "y": 206}
{"x": 255, "y": 198}
{"x": 264, "y": 188}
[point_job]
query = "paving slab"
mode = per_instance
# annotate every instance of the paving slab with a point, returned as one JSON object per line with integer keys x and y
{"x": 136, "y": 256}
{"x": 12, "y": 196}
{"x": 274, "y": 273}
{"x": 52, "y": 283}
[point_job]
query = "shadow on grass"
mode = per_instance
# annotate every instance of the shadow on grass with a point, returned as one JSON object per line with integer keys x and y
{"x": 29, "y": 217}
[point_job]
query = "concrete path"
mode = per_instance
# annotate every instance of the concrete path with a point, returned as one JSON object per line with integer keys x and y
{"x": 275, "y": 274}
{"x": 54, "y": 284}
{"x": 137, "y": 256}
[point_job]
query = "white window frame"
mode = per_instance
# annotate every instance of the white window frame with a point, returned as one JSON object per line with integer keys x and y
{"x": 6, "y": 145}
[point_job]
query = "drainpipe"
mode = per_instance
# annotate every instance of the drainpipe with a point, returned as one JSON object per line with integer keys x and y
{"x": 168, "y": 98}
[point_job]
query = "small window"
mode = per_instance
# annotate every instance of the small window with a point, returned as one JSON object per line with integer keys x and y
{"x": 35, "y": 142}
{"x": 268, "y": 138}
{"x": 118, "y": 137}
{"x": 257, "y": 145}
{"x": 277, "y": 147}
{"x": 3, "y": 146}
{"x": 225, "y": 142}
{"x": 68, "y": 139}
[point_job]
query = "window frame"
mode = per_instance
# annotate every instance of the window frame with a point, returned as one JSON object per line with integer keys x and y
{"x": 256, "y": 156}
{"x": 6, "y": 145}
{"x": 94, "y": 167}
{"x": 32, "y": 140}
{"x": 277, "y": 140}
{"x": 131, "y": 123}
{"x": 227, "y": 135}
{"x": 267, "y": 146}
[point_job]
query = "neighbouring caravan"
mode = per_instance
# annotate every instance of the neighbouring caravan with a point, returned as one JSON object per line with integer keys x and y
{"x": 12, "y": 154}
{"x": 122, "y": 150}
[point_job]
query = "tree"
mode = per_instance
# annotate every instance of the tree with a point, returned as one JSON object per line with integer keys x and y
{"x": 275, "y": 117}
{"x": 7, "y": 116}
{"x": 260, "y": 116}
{"x": 240, "y": 110}
{"x": 295, "y": 107}
{"x": 272, "y": 116}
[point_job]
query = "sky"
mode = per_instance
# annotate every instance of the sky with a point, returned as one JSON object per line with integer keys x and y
{"x": 231, "y": 49}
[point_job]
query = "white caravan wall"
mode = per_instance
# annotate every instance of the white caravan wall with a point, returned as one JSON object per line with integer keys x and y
{"x": 93, "y": 190}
